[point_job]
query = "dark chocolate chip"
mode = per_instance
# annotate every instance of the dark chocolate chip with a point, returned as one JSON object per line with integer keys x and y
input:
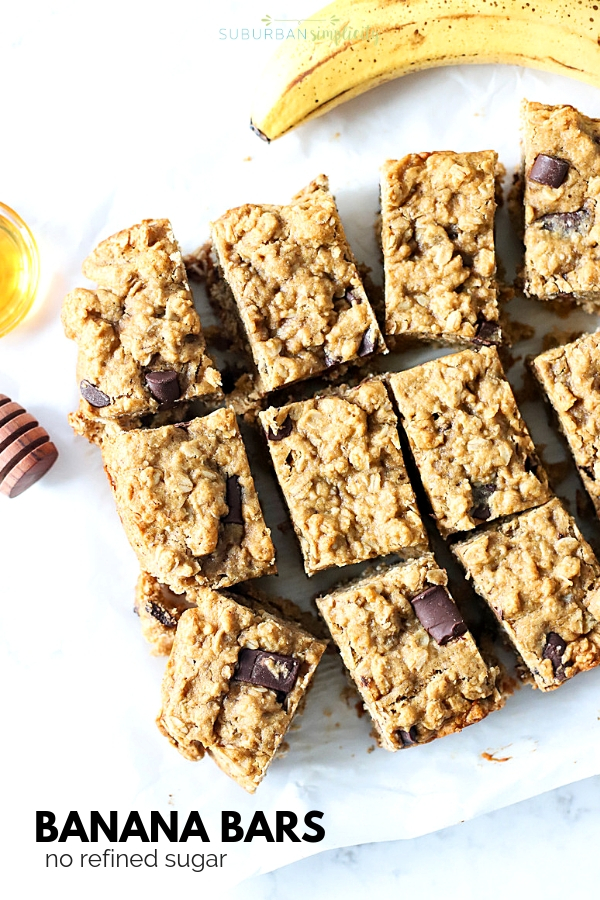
{"x": 480, "y": 494}
{"x": 258, "y": 132}
{"x": 93, "y": 395}
{"x": 367, "y": 344}
{"x": 452, "y": 232}
{"x": 566, "y": 223}
{"x": 233, "y": 499}
{"x": 330, "y": 360}
{"x": 438, "y": 614}
{"x": 407, "y": 738}
{"x": 163, "y": 615}
{"x": 549, "y": 170}
{"x": 554, "y": 650}
{"x": 163, "y": 386}
{"x": 351, "y": 295}
{"x": 487, "y": 333}
{"x": 266, "y": 669}
{"x": 284, "y": 430}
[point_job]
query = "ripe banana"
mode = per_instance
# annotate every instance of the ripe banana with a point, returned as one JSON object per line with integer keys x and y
{"x": 353, "y": 45}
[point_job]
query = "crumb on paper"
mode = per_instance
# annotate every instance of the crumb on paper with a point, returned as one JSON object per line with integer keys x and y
{"x": 371, "y": 748}
{"x": 491, "y": 758}
{"x": 327, "y": 712}
{"x": 336, "y": 135}
{"x": 247, "y": 159}
{"x": 170, "y": 800}
{"x": 360, "y": 709}
{"x": 516, "y": 331}
{"x": 283, "y": 749}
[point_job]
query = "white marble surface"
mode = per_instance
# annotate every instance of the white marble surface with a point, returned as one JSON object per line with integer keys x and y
{"x": 541, "y": 848}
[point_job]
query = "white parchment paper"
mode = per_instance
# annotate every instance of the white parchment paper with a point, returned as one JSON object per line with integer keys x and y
{"x": 143, "y": 111}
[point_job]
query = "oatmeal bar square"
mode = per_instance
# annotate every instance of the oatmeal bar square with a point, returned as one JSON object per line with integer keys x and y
{"x": 140, "y": 344}
{"x": 340, "y": 467}
{"x": 295, "y": 287}
{"x": 561, "y": 183}
{"x": 187, "y": 501}
{"x": 233, "y": 682}
{"x": 407, "y": 648}
{"x": 471, "y": 446}
{"x": 437, "y": 235}
{"x": 542, "y": 581}
{"x": 570, "y": 378}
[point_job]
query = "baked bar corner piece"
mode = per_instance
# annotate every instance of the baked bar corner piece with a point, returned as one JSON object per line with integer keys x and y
{"x": 140, "y": 344}
{"x": 294, "y": 286}
{"x": 187, "y": 501}
{"x": 160, "y": 610}
{"x": 340, "y": 466}
{"x": 407, "y": 648}
{"x": 437, "y": 236}
{"x": 474, "y": 454}
{"x": 234, "y": 681}
{"x": 570, "y": 378}
{"x": 542, "y": 580}
{"x": 561, "y": 175}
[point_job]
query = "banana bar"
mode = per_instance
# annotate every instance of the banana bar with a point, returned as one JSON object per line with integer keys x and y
{"x": 437, "y": 236}
{"x": 408, "y": 650}
{"x": 569, "y": 377}
{"x": 340, "y": 467}
{"x": 474, "y": 454}
{"x": 234, "y": 680}
{"x": 561, "y": 185}
{"x": 187, "y": 501}
{"x": 289, "y": 281}
{"x": 542, "y": 581}
{"x": 141, "y": 350}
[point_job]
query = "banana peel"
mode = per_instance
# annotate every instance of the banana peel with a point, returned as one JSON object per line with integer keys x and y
{"x": 374, "y": 42}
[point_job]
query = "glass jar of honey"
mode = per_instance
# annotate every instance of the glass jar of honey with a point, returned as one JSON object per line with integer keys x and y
{"x": 19, "y": 269}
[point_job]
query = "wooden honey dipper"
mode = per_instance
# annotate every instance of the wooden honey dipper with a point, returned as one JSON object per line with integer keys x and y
{"x": 26, "y": 451}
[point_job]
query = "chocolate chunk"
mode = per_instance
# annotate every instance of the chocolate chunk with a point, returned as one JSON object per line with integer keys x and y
{"x": 93, "y": 395}
{"x": 566, "y": 223}
{"x": 233, "y": 499}
{"x": 407, "y": 738}
{"x": 284, "y": 430}
{"x": 367, "y": 344}
{"x": 487, "y": 332}
{"x": 438, "y": 614}
{"x": 549, "y": 170}
{"x": 163, "y": 386}
{"x": 163, "y": 615}
{"x": 258, "y": 132}
{"x": 554, "y": 650}
{"x": 266, "y": 669}
{"x": 480, "y": 494}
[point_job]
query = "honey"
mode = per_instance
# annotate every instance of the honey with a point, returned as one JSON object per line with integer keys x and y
{"x": 19, "y": 269}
